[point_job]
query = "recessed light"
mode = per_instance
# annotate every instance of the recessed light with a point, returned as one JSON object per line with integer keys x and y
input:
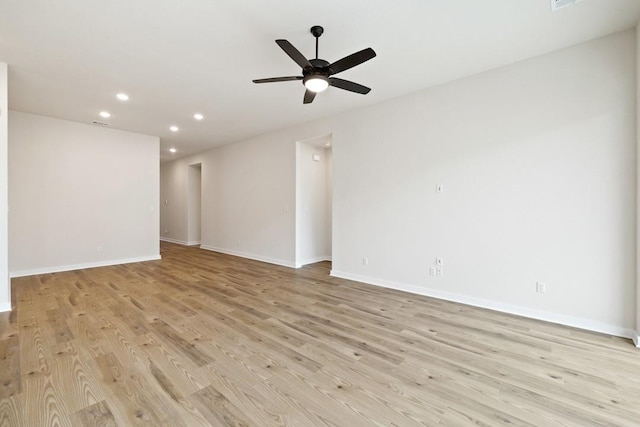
{"x": 174, "y": 128}
{"x": 173, "y": 150}
{"x": 198, "y": 116}
{"x": 105, "y": 114}
{"x": 122, "y": 96}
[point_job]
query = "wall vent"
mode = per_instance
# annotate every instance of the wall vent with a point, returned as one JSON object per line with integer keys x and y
{"x": 559, "y": 4}
{"x": 97, "y": 123}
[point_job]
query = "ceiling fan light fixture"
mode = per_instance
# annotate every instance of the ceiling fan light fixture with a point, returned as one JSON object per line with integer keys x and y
{"x": 316, "y": 83}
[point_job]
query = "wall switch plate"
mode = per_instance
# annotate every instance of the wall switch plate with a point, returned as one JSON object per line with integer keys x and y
{"x": 559, "y": 4}
{"x": 439, "y": 262}
{"x": 316, "y": 157}
{"x": 541, "y": 287}
{"x": 432, "y": 271}
{"x": 439, "y": 188}
{"x": 365, "y": 260}
{"x": 439, "y": 272}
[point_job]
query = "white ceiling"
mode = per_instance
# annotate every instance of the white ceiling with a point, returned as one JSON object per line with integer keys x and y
{"x": 68, "y": 58}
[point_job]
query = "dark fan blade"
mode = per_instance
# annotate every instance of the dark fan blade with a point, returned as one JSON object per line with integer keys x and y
{"x": 294, "y": 53}
{"x": 308, "y": 97}
{"x": 351, "y": 61}
{"x": 350, "y": 86}
{"x": 278, "y": 79}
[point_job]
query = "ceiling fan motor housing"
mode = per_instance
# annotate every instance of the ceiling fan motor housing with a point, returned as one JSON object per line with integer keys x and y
{"x": 318, "y": 66}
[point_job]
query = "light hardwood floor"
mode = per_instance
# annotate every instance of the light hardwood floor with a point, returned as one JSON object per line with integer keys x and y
{"x": 201, "y": 338}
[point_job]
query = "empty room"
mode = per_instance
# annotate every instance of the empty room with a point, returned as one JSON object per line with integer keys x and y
{"x": 291, "y": 213}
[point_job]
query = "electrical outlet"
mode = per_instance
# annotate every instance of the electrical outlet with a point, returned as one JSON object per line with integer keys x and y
{"x": 439, "y": 272}
{"x": 365, "y": 260}
{"x": 541, "y": 287}
{"x": 439, "y": 262}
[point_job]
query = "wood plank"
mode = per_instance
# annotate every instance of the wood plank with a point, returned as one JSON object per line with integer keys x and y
{"x": 12, "y": 411}
{"x": 190, "y": 350}
{"x": 42, "y": 406}
{"x": 96, "y": 415}
{"x": 217, "y": 408}
{"x": 134, "y": 405}
{"x": 10, "y": 378}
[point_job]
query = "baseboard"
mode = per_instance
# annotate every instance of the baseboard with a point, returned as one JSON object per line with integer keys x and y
{"x": 178, "y": 242}
{"x": 250, "y": 256}
{"x": 313, "y": 261}
{"x": 61, "y": 268}
{"x": 561, "y": 319}
{"x": 181, "y": 242}
{"x": 636, "y": 339}
{"x": 4, "y": 307}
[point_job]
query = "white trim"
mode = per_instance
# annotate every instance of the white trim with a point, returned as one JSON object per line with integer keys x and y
{"x": 178, "y": 242}
{"x": 61, "y": 268}
{"x": 636, "y": 339}
{"x": 562, "y": 319}
{"x": 313, "y": 261}
{"x": 181, "y": 242}
{"x": 249, "y": 256}
{"x": 4, "y": 307}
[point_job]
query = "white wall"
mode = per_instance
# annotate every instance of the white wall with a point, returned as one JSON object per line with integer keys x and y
{"x": 5, "y": 283}
{"x": 312, "y": 203}
{"x": 537, "y": 160}
{"x": 249, "y": 200}
{"x": 329, "y": 204}
{"x": 637, "y": 333}
{"x": 80, "y": 195}
{"x": 194, "y": 192}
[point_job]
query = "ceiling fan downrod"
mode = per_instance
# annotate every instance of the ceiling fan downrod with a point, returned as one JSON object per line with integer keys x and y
{"x": 317, "y": 31}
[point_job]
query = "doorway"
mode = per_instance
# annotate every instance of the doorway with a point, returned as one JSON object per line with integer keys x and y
{"x": 314, "y": 195}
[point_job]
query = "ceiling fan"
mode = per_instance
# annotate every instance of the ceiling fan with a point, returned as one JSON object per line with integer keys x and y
{"x": 316, "y": 73}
